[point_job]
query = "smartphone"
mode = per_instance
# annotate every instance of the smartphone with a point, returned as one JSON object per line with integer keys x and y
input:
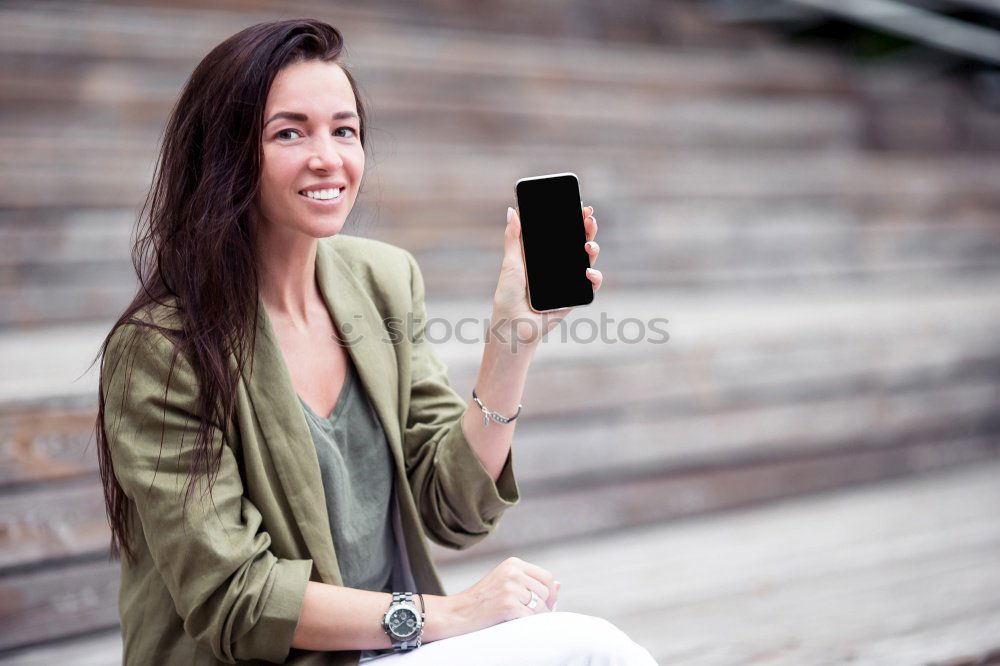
{"x": 552, "y": 242}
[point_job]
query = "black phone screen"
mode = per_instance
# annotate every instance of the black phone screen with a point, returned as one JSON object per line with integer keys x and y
{"x": 553, "y": 238}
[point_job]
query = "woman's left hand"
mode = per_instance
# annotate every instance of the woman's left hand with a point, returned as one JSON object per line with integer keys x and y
{"x": 510, "y": 301}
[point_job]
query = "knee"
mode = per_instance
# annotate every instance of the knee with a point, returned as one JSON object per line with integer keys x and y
{"x": 599, "y": 641}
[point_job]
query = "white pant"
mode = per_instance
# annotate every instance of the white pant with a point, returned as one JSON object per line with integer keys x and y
{"x": 545, "y": 639}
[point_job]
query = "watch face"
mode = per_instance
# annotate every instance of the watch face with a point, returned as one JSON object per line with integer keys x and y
{"x": 403, "y": 622}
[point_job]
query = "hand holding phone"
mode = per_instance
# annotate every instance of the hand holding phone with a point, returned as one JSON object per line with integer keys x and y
{"x": 552, "y": 242}
{"x": 530, "y": 318}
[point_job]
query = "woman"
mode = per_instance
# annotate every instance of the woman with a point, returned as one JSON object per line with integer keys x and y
{"x": 253, "y": 372}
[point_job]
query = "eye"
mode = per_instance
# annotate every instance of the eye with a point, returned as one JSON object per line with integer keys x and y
{"x": 283, "y": 133}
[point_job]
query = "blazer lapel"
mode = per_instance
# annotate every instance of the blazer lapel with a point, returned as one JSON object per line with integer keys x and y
{"x": 289, "y": 441}
{"x": 363, "y": 331}
{"x": 280, "y": 415}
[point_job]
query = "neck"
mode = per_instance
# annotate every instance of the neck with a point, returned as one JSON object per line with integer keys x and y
{"x": 288, "y": 274}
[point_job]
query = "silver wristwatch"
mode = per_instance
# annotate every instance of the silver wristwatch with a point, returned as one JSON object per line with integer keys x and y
{"x": 403, "y": 623}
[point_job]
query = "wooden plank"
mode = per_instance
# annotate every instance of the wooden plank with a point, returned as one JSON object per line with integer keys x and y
{"x": 46, "y": 444}
{"x": 57, "y": 294}
{"x": 589, "y": 509}
{"x": 734, "y": 412}
{"x": 63, "y": 255}
{"x": 27, "y": 306}
{"x": 627, "y": 22}
{"x": 62, "y": 303}
{"x": 744, "y": 332}
{"x": 50, "y": 363}
{"x": 50, "y": 522}
{"x": 821, "y": 395}
{"x": 685, "y": 236}
{"x": 47, "y": 522}
{"x": 165, "y": 36}
{"x": 901, "y": 572}
{"x": 676, "y": 497}
{"x": 810, "y": 373}
{"x": 472, "y": 277}
{"x": 690, "y": 247}
{"x": 49, "y": 604}
{"x": 720, "y": 358}
{"x": 827, "y": 327}
{"x": 508, "y": 112}
{"x": 775, "y": 432}
{"x": 778, "y": 176}
{"x": 65, "y": 237}
{"x": 861, "y": 574}
{"x": 103, "y": 648}
{"x": 51, "y": 292}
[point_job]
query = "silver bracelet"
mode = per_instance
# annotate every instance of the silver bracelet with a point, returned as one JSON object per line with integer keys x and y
{"x": 496, "y": 416}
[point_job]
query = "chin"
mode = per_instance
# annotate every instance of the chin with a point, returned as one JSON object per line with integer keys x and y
{"x": 320, "y": 228}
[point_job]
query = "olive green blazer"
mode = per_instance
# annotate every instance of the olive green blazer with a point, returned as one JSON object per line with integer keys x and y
{"x": 222, "y": 580}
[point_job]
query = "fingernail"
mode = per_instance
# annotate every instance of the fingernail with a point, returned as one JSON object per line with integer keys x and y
{"x": 591, "y": 271}
{"x": 510, "y": 213}
{"x": 590, "y": 245}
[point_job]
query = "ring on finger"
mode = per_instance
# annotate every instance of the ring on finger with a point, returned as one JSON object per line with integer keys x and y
{"x": 533, "y": 601}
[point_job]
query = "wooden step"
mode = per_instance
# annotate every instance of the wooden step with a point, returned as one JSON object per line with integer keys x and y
{"x": 100, "y": 648}
{"x": 165, "y": 35}
{"x": 559, "y": 467}
{"x": 53, "y": 521}
{"x": 943, "y": 321}
{"x": 53, "y": 603}
{"x": 72, "y": 263}
{"x": 882, "y": 551}
{"x": 82, "y": 597}
{"x": 740, "y": 385}
{"x": 688, "y": 235}
{"x": 493, "y": 117}
{"x": 95, "y": 291}
{"x": 720, "y": 361}
{"x": 900, "y": 572}
{"x": 593, "y": 509}
{"x": 622, "y": 178}
{"x": 577, "y": 411}
{"x": 830, "y": 295}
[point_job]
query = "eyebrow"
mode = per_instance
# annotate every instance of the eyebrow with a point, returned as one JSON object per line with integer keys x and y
{"x": 301, "y": 117}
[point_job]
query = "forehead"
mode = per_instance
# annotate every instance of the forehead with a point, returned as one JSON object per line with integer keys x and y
{"x": 311, "y": 87}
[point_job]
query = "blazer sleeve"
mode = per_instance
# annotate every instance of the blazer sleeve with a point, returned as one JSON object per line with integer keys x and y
{"x": 458, "y": 501}
{"x": 234, "y": 596}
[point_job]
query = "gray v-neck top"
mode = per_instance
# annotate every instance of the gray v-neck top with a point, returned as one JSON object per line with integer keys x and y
{"x": 356, "y": 467}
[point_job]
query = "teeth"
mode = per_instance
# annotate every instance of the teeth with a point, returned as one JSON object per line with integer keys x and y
{"x": 323, "y": 195}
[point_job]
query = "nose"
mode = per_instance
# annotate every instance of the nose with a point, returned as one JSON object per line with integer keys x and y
{"x": 325, "y": 157}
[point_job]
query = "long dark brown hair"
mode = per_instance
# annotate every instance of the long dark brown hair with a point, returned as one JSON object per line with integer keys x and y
{"x": 195, "y": 243}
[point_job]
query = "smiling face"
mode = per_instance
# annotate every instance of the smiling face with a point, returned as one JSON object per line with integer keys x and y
{"x": 311, "y": 142}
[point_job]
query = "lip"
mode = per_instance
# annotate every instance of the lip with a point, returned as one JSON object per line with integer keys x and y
{"x": 324, "y": 186}
{"x": 329, "y": 203}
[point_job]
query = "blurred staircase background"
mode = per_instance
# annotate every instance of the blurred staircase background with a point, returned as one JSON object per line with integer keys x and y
{"x": 823, "y": 237}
